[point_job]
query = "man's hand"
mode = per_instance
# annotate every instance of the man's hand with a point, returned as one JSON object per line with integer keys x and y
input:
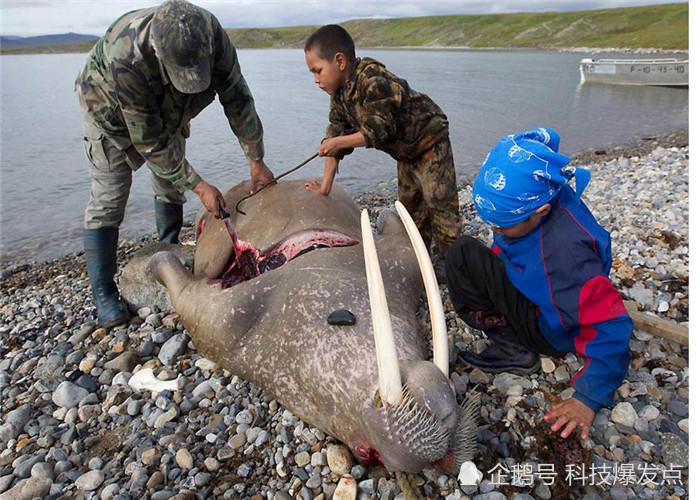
{"x": 570, "y": 413}
{"x": 211, "y": 197}
{"x": 259, "y": 174}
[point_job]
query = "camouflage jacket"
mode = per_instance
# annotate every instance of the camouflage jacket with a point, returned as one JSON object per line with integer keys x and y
{"x": 391, "y": 116}
{"x": 125, "y": 92}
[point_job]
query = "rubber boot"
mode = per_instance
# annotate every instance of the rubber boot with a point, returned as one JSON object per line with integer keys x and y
{"x": 100, "y": 247}
{"x": 439, "y": 253}
{"x": 168, "y": 221}
{"x": 505, "y": 354}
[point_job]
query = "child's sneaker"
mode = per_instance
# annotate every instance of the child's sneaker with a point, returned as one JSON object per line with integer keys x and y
{"x": 504, "y": 357}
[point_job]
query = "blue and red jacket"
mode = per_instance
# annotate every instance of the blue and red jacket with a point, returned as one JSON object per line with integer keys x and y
{"x": 562, "y": 267}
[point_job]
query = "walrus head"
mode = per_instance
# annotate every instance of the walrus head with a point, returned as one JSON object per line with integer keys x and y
{"x": 414, "y": 419}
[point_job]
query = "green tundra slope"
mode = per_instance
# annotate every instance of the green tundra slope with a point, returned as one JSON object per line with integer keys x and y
{"x": 656, "y": 26}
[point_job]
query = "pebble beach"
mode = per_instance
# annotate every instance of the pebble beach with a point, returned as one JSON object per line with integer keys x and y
{"x": 71, "y": 425}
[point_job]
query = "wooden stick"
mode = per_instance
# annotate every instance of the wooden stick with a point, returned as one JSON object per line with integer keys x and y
{"x": 664, "y": 328}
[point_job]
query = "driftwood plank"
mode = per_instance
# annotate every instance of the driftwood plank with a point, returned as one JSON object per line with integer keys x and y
{"x": 664, "y": 328}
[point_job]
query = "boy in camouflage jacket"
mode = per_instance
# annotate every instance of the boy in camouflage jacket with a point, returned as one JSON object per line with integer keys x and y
{"x": 152, "y": 72}
{"x": 371, "y": 107}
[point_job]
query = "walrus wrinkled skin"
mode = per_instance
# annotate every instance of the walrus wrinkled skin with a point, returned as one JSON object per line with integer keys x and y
{"x": 272, "y": 330}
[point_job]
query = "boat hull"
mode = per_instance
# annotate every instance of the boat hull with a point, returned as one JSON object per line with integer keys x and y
{"x": 664, "y": 72}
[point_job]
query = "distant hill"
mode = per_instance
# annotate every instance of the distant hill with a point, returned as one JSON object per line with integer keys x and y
{"x": 649, "y": 27}
{"x": 37, "y": 41}
{"x": 658, "y": 26}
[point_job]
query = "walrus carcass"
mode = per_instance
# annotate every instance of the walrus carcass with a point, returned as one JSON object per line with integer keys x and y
{"x": 263, "y": 314}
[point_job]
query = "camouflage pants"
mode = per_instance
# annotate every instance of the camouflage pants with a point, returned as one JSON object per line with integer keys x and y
{"x": 110, "y": 174}
{"x": 428, "y": 190}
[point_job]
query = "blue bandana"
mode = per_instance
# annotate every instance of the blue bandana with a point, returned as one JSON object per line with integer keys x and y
{"x": 520, "y": 174}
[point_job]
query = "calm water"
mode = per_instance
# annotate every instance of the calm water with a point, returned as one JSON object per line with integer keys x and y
{"x": 44, "y": 183}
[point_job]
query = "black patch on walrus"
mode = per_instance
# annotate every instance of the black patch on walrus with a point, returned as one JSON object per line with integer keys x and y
{"x": 341, "y": 317}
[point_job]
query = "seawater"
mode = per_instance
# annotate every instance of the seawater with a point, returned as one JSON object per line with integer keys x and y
{"x": 44, "y": 182}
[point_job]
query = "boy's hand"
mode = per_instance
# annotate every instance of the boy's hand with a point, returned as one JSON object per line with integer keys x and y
{"x": 315, "y": 187}
{"x": 330, "y": 147}
{"x": 572, "y": 413}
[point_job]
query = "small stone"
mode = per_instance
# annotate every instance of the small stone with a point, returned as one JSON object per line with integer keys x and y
{"x": 150, "y": 457}
{"x": 207, "y": 365}
{"x": 125, "y": 362}
{"x": 561, "y": 374}
{"x": 109, "y": 492}
{"x": 649, "y": 412}
{"x": 346, "y": 489}
{"x": 156, "y": 479}
{"x": 90, "y": 481}
{"x": 674, "y": 451}
{"x": 172, "y": 349}
{"x": 87, "y": 364}
{"x": 28, "y": 489}
{"x": 302, "y": 459}
{"x": 624, "y": 413}
{"x": 211, "y": 464}
{"x": 477, "y": 376}
{"x": 548, "y": 366}
{"x": 183, "y": 458}
{"x": 68, "y": 395}
{"x": 236, "y": 441}
{"x": 165, "y": 417}
{"x": 339, "y": 459}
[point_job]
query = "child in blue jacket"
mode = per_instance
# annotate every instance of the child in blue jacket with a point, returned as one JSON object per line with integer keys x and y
{"x": 543, "y": 287}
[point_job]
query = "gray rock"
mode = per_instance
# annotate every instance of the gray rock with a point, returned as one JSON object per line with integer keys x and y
{"x": 673, "y": 450}
{"x": 5, "y": 482}
{"x": 42, "y": 470}
{"x": 90, "y": 481}
{"x": 491, "y": 495}
{"x": 125, "y": 362}
{"x": 28, "y": 489}
{"x": 504, "y": 380}
{"x": 172, "y": 349}
{"x": 109, "y": 492}
{"x": 23, "y": 468}
{"x": 81, "y": 334}
{"x": 68, "y": 395}
{"x": 624, "y": 413}
{"x": 618, "y": 494}
{"x": 19, "y": 416}
{"x": 9, "y": 431}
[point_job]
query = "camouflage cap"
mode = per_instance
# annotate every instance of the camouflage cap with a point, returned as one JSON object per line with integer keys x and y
{"x": 182, "y": 41}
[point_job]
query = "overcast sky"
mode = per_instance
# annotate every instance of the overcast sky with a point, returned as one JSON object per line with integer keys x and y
{"x": 44, "y": 17}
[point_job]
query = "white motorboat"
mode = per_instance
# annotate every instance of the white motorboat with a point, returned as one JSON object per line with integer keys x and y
{"x": 663, "y": 72}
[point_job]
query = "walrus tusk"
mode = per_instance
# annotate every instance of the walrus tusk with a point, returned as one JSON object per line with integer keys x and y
{"x": 387, "y": 358}
{"x": 145, "y": 380}
{"x": 441, "y": 355}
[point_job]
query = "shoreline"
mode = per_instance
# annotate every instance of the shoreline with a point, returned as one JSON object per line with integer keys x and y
{"x": 222, "y": 437}
{"x": 639, "y": 147}
{"x": 593, "y": 50}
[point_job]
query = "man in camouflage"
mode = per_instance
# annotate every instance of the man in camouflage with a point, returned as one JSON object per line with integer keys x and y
{"x": 152, "y": 72}
{"x": 372, "y": 107}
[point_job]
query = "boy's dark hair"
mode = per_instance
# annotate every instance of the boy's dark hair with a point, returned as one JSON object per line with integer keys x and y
{"x": 329, "y": 40}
